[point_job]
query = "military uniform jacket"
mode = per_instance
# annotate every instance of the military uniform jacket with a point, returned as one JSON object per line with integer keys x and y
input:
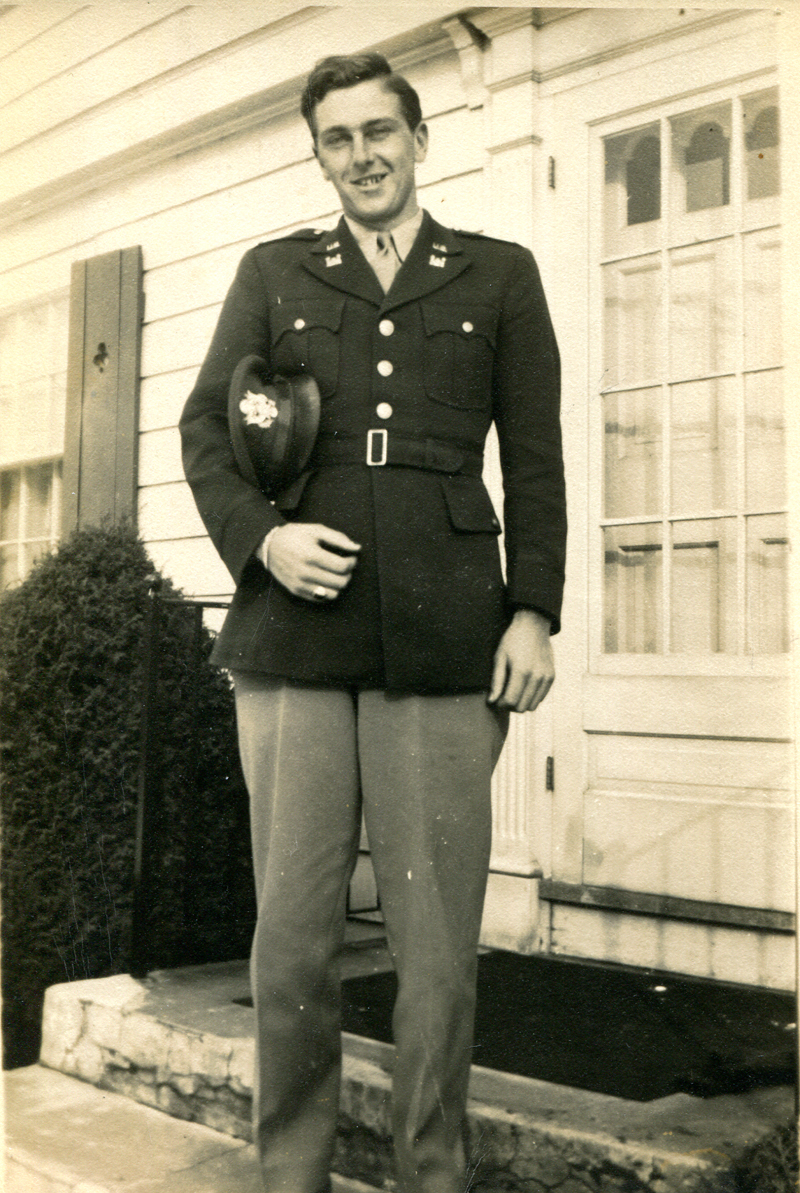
{"x": 462, "y": 339}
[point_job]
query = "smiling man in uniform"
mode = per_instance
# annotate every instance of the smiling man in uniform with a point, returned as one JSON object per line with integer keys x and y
{"x": 375, "y": 645}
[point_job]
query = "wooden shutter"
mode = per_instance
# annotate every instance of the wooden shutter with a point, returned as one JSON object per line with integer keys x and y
{"x": 100, "y": 456}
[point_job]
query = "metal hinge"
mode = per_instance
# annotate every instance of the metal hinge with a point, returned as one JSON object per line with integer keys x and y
{"x": 550, "y": 777}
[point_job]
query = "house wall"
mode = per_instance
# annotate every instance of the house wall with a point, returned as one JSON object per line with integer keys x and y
{"x": 177, "y": 129}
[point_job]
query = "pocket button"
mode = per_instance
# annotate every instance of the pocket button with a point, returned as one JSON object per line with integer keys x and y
{"x": 385, "y": 368}
{"x": 467, "y": 326}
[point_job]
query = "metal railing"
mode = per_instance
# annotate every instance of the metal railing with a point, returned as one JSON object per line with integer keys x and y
{"x": 150, "y": 788}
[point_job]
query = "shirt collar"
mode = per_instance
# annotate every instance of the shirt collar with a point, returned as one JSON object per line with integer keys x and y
{"x": 403, "y": 235}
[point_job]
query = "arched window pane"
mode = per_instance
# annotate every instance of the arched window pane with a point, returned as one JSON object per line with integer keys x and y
{"x": 762, "y": 141}
{"x": 701, "y": 143}
{"x": 643, "y": 182}
{"x": 707, "y": 168}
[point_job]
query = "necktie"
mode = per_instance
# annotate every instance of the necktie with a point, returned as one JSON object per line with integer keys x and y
{"x": 387, "y": 262}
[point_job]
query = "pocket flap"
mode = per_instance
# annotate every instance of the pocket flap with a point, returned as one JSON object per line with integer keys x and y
{"x": 469, "y": 505}
{"x": 300, "y": 314}
{"x": 465, "y": 321}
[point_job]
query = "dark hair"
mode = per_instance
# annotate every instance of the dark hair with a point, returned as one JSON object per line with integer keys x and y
{"x": 345, "y": 70}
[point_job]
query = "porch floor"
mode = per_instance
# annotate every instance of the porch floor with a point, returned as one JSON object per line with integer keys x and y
{"x": 181, "y": 1041}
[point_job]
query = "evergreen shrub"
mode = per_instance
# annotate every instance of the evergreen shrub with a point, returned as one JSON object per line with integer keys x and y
{"x": 71, "y": 678}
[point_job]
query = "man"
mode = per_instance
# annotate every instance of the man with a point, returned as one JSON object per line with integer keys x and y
{"x": 375, "y": 648}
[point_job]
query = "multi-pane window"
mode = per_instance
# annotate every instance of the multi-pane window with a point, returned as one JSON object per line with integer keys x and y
{"x": 33, "y": 362}
{"x": 694, "y": 478}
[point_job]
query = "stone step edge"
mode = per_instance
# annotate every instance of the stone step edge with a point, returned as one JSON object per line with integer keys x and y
{"x": 44, "y": 1108}
{"x": 97, "y": 1031}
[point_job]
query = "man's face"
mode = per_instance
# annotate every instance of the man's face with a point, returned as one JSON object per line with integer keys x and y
{"x": 369, "y": 153}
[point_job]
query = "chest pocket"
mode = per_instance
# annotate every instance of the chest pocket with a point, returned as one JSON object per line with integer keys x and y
{"x": 459, "y": 353}
{"x": 305, "y": 339}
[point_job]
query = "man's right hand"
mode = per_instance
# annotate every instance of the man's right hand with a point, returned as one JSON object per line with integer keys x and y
{"x": 299, "y": 558}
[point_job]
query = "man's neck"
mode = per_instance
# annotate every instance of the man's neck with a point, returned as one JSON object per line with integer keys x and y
{"x": 387, "y": 225}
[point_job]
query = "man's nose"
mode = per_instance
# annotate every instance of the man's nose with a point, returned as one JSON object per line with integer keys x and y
{"x": 362, "y": 149}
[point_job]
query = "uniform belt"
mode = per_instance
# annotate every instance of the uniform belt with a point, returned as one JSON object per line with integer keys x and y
{"x": 379, "y": 447}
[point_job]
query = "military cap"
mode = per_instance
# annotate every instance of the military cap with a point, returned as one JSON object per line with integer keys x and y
{"x": 272, "y": 425}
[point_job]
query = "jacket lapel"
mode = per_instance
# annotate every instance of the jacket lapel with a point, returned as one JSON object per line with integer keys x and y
{"x": 337, "y": 260}
{"x": 435, "y": 259}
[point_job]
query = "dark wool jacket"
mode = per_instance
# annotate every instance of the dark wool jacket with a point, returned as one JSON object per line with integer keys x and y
{"x": 462, "y": 339}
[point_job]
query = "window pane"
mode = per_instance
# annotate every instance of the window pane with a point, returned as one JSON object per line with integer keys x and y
{"x": 702, "y": 309}
{"x": 633, "y": 323}
{"x": 762, "y": 298}
{"x": 9, "y": 505}
{"x": 33, "y": 356}
{"x": 701, "y": 144}
{"x": 39, "y": 483}
{"x": 703, "y": 610}
{"x": 9, "y": 566}
{"x": 633, "y": 448}
{"x": 33, "y": 551}
{"x": 765, "y": 440}
{"x": 632, "y": 608}
{"x": 767, "y": 587}
{"x": 761, "y": 144}
{"x": 703, "y": 473}
{"x": 632, "y": 195}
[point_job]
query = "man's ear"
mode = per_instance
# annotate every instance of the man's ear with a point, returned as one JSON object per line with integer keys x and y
{"x": 421, "y": 142}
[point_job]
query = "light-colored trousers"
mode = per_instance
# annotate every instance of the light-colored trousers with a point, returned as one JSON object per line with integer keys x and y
{"x": 420, "y": 766}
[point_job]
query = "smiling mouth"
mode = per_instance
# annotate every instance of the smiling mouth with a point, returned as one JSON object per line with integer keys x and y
{"x": 369, "y": 180}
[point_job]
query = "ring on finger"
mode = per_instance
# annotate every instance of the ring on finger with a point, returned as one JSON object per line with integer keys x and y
{"x": 320, "y": 593}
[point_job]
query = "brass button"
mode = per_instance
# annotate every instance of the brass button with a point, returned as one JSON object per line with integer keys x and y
{"x": 299, "y": 324}
{"x": 385, "y": 368}
{"x": 467, "y": 326}
{"x": 384, "y": 410}
{"x": 386, "y": 327}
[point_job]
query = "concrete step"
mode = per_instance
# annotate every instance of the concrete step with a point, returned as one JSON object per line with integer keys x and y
{"x": 65, "y": 1136}
{"x": 182, "y": 1042}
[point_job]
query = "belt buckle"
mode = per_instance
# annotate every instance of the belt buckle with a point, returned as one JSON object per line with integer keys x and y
{"x": 383, "y": 437}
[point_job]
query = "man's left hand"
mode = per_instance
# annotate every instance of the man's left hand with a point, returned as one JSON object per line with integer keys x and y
{"x": 523, "y": 665}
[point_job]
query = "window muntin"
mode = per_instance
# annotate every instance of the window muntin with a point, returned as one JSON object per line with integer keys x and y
{"x": 693, "y": 422}
{"x": 33, "y": 360}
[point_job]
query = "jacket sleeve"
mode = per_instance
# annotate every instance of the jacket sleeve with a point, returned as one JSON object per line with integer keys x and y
{"x": 526, "y": 407}
{"x": 236, "y": 515}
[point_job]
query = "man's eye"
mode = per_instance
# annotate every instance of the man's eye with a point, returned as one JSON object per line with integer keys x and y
{"x": 335, "y": 140}
{"x": 379, "y": 132}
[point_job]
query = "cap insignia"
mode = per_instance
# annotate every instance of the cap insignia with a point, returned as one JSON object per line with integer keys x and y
{"x": 259, "y": 410}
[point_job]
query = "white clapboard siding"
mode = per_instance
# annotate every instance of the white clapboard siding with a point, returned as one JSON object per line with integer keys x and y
{"x": 202, "y": 279}
{"x": 77, "y": 64}
{"x": 162, "y": 396}
{"x": 160, "y": 458}
{"x": 231, "y": 75}
{"x": 22, "y": 26}
{"x": 162, "y": 508}
{"x": 179, "y": 342}
{"x": 193, "y": 565}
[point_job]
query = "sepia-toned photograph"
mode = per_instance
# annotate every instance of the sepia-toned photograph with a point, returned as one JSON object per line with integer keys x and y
{"x": 398, "y": 608}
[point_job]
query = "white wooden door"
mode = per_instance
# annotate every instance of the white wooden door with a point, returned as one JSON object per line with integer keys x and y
{"x": 673, "y": 839}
